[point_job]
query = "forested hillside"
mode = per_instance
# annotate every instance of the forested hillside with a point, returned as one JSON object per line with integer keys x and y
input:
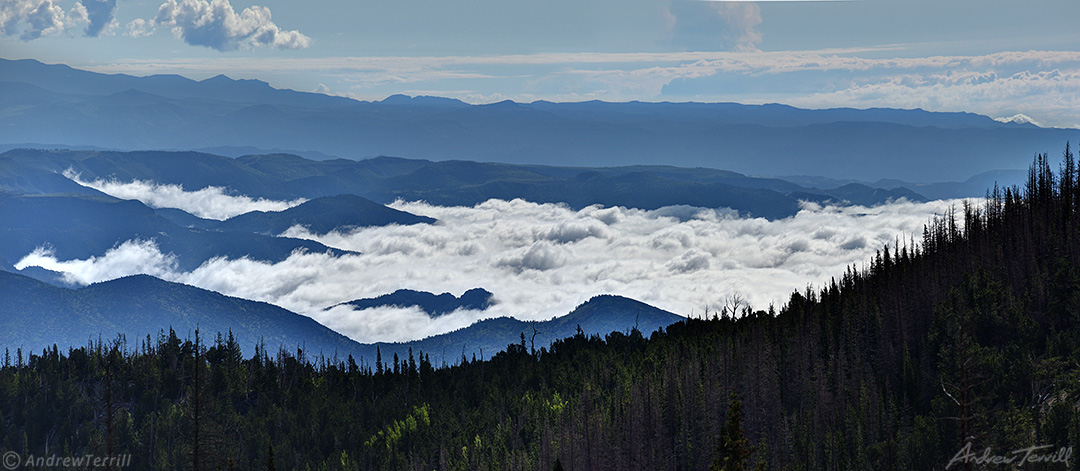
{"x": 970, "y": 335}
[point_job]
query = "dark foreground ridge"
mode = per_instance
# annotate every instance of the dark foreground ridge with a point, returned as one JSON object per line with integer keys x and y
{"x": 600, "y": 315}
{"x": 34, "y": 314}
{"x": 968, "y": 340}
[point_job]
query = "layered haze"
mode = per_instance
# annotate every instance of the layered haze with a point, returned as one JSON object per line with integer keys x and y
{"x": 539, "y": 260}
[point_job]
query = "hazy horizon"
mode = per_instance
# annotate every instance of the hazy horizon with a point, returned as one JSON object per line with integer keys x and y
{"x": 996, "y": 58}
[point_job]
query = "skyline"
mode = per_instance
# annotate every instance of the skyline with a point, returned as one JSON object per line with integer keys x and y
{"x": 996, "y": 58}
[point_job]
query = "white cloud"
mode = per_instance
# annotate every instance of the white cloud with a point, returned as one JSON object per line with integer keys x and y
{"x": 540, "y": 261}
{"x": 212, "y": 202}
{"x": 140, "y": 28}
{"x": 740, "y": 24}
{"x": 394, "y": 323}
{"x": 215, "y": 24}
{"x": 129, "y": 258}
{"x": 38, "y": 18}
{"x": 1052, "y": 94}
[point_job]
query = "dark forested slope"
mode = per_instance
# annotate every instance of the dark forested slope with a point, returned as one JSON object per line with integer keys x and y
{"x": 969, "y": 337}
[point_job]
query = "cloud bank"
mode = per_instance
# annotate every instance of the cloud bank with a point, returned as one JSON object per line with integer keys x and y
{"x": 539, "y": 260}
{"x": 212, "y": 202}
{"x": 215, "y": 24}
{"x": 129, "y": 258}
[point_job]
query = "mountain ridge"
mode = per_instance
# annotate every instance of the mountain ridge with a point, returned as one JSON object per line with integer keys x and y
{"x": 36, "y": 315}
{"x": 912, "y": 145}
{"x": 477, "y": 299}
{"x": 600, "y": 315}
{"x": 454, "y": 182}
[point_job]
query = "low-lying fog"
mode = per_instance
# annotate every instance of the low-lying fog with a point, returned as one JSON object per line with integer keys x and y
{"x": 539, "y": 260}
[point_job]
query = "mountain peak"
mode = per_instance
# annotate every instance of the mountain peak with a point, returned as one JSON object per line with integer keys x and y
{"x": 219, "y": 78}
{"x": 477, "y": 299}
{"x": 422, "y": 100}
{"x": 611, "y": 302}
{"x": 1018, "y": 118}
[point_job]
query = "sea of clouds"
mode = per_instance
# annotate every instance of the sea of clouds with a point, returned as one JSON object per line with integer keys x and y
{"x": 539, "y": 260}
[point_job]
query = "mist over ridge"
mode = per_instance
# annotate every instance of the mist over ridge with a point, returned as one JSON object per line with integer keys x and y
{"x": 542, "y": 239}
{"x": 211, "y": 202}
{"x": 538, "y": 260}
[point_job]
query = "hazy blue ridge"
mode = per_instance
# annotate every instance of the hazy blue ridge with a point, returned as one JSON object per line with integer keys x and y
{"x": 386, "y": 179}
{"x": 52, "y": 104}
{"x": 82, "y": 226}
{"x": 322, "y": 215}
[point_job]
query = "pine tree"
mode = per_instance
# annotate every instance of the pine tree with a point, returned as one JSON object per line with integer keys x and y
{"x": 270, "y": 457}
{"x": 734, "y": 451}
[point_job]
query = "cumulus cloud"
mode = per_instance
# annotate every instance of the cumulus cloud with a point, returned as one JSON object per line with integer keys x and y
{"x": 681, "y": 259}
{"x": 140, "y": 28}
{"x": 721, "y": 25}
{"x": 215, "y": 24}
{"x": 540, "y": 256}
{"x": 740, "y": 24}
{"x": 32, "y": 19}
{"x": 212, "y": 202}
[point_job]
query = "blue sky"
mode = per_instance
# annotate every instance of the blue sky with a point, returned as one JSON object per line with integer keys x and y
{"x": 993, "y": 57}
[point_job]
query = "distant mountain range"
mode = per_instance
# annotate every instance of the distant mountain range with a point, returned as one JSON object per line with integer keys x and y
{"x": 975, "y": 186}
{"x": 385, "y": 179}
{"x": 460, "y": 154}
{"x": 81, "y": 226}
{"x": 57, "y": 105}
{"x": 36, "y": 315}
{"x": 320, "y": 215}
{"x": 41, "y": 207}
